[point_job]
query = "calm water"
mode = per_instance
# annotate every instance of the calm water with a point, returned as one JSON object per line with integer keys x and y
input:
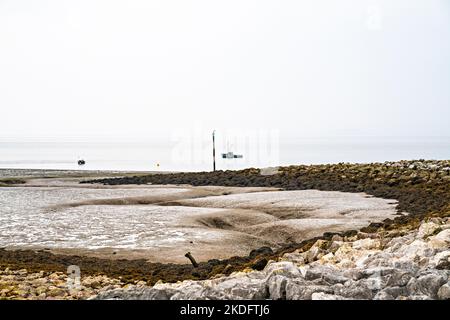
{"x": 188, "y": 155}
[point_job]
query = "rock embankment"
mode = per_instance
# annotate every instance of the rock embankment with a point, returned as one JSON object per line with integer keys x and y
{"x": 401, "y": 264}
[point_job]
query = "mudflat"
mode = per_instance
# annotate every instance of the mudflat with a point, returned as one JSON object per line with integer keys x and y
{"x": 160, "y": 223}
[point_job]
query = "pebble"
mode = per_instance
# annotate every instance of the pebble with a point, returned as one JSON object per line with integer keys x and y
{"x": 444, "y": 292}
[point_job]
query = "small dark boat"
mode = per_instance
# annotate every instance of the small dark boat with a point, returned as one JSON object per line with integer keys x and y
{"x": 81, "y": 162}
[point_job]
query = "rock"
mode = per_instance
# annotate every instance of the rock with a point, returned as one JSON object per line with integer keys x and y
{"x": 277, "y": 287}
{"x": 260, "y": 251}
{"x": 41, "y": 289}
{"x": 366, "y": 244}
{"x": 53, "y": 276}
{"x": 383, "y": 295}
{"x": 326, "y": 272}
{"x": 443, "y": 265}
{"x": 312, "y": 254}
{"x": 441, "y": 259}
{"x": 427, "y": 229}
{"x": 416, "y": 248}
{"x": 321, "y": 244}
{"x": 394, "y": 291}
{"x": 335, "y": 245}
{"x": 407, "y": 265}
{"x": 21, "y": 272}
{"x": 355, "y": 290}
{"x": 364, "y": 235}
{"x": 124, "y": 294}
{"x": 141, "y": 284}
{"x": 325, "y": 296}
{"x": 108, "y": 287}
{"x": 427, "y": 285}
{"x": 19, "y": 293}
{"x": 192, "y": 291}
{"x": 380, "y": 259}
{"x": 346, "y": 264}
{"x": 294, "y": 257}
{"x": 419, "y": 297}
{"x": 228, "y": 269}
{"x": 56, "y": 292}
{"x": 41, "y": 296}
{"x": 240, "y": 287}
{"x": 328, "y": 258}
{"x": 297, "y": 290}
{"x": 335, "y": 277}
{"x": 353, "y": 274}
{"x": 345, "y": 251}
{"x": 284, "y": 268}
{"x": 337, "y": 238}
{"x": 444, "y": 292}
{"x": 398, "y": 278}
{"x": 156, "y": 294}
{"x": 92, "y": 282}
{"x": 314, "y": 272}
{"x": 25, "y": 286}
{"x": 441, "y": 240}
{"x": 5, "y": 291}
{"x": 259, "y": 264}
{"x": 398, "y": 242}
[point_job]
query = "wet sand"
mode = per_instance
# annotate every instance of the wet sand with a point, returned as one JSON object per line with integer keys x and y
{"x": 161, "y": 223}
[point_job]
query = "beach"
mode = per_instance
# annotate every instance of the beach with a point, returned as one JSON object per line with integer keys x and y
{"x": 128, "y": 230}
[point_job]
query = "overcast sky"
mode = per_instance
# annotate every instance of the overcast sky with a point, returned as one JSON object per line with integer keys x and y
{"x": 307, "y": 68}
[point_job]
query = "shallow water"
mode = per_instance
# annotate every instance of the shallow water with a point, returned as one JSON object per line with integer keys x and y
{"x": 28, "y": 218}
{"x": 165, "y": 154}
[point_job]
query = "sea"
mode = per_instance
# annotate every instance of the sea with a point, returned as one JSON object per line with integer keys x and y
{"x": 196, "y": 154}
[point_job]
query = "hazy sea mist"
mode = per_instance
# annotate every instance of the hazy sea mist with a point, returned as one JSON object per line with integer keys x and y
{"x": 175, "y": 155}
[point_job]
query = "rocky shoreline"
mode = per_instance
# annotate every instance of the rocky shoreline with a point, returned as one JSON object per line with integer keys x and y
{"x": 421, "y": 187}
{"x": 413, "y": 266}
{"x": 402, "y": 264}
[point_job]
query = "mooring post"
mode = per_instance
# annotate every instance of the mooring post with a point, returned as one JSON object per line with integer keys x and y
{"x": 214, "y": 151}
{"x": 190, "y": 257}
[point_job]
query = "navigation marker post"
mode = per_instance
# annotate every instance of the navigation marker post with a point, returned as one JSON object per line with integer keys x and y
{"x": 214, "y": 151}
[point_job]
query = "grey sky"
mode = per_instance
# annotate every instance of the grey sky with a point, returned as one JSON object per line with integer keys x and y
{"x": 306, "y": 68}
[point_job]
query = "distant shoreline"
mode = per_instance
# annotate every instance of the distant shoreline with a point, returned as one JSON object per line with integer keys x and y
{"x": 60, "y": 173}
